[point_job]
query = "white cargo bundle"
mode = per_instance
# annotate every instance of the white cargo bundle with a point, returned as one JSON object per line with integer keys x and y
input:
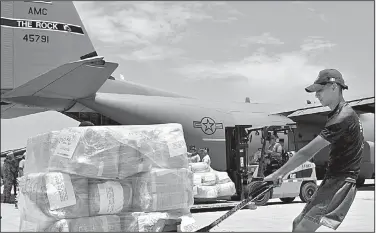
{"x": 89, "y": 178}
{"x": 107, "y": 152}
{"x": 209, "y": 183}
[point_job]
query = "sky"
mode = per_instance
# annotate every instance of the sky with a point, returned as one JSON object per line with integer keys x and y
{"x": 225, "y": 51}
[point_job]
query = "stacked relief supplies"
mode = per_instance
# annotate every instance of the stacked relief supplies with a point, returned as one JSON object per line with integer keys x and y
{"x": 106, "y": 178}
{"x": 209, "y": 183}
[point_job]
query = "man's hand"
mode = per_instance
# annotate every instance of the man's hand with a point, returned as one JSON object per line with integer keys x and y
{"x": 275, "y": 178}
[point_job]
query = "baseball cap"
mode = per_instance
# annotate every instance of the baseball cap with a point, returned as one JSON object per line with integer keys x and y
{"x": 327, "y": 76}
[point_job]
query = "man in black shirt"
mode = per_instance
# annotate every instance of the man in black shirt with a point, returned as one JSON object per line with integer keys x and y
{"x": 343, "y": 131}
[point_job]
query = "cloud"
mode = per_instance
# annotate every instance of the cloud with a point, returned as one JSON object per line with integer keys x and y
{"x": 269, "y": 75}
{"x": 264, "y": 39}
{"x": 149, "y": 27}
{"x": 316, "y": 43}
{"x": 152, "y": 53}
{"x": 259, "y": 67}
{"x": 320, "y": 15}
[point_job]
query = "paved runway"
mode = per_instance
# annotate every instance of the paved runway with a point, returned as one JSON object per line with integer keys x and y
{"x": 275, "y": 216}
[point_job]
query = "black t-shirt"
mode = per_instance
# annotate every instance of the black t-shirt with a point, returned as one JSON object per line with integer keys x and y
{"x": 345, "y": 133}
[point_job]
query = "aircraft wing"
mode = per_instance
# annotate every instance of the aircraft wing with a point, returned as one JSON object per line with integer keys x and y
{"x": 318, "y": 114}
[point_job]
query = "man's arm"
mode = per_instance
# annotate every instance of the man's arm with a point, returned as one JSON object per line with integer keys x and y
{"x": 300, "y": 157}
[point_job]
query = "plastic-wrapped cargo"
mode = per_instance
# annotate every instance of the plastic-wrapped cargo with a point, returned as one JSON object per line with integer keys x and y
{"x": 108, "y": 152}
{"x": 109, "y": 197}
{"x": 188, "y": 223}
{"x": 206, "y": 179}
{"x": 162, "y": 189}
{"x": 104, "y": 223}
{"x": 54, "y": 195}
{"x": 207, "y": 192}
{"x": 197, "y": 179}
{"x": 140, "y": 222}
{"x": 87, "y": 151}
{"x": 145, "y": 222}
{"x": 164, "y": 145}
{"x": 132, "y": 161}
{"x": 38, "y": 154}
{"x": 222, "y": 177}
{"x": 226, "y": 189}
{"x": 199, "y": 167}
{"x": 32, "y": 218}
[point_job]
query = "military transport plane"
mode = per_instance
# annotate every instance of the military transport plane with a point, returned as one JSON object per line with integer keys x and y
{"x": 49, "y": 63}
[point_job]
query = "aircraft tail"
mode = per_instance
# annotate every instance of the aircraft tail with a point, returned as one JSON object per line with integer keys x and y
{"x": 38, "y": 36}
{"x": 47, "y": 58}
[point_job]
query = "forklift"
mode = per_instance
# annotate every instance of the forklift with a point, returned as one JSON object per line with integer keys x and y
{"x": 247, "y": 177}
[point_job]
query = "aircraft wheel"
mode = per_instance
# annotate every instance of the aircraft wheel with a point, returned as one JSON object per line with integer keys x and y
{"x": 287, "y": 199}
{"x": 307, "y": 190}
{"x": 261, "y": 200}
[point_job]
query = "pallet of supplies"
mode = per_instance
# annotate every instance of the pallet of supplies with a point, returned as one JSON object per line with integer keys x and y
{"x": 209, "y": 184}
{"x": 89, "y": 178}
{"x": 162, "y": 189}
{"x": 104, "y": 223}
{"x": 109, "y": 197}
{"x": 107, "y": 152}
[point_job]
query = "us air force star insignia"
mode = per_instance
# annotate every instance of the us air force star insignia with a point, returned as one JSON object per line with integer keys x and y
{"x": 207, "y": 125}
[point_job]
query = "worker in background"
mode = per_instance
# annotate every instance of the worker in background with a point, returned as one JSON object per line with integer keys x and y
{"x": 193, "y": 156}
{"x": 206, "y": 157}
{"x": 21, "y": 166}
{"x": 254, "y": 158}
{"x": 10, "y": 176}
{"x": 274, "y": 150}
{"x": 201, "y": 153}
{"x": 284, "y": 156}
{"x": 86, "y": 123}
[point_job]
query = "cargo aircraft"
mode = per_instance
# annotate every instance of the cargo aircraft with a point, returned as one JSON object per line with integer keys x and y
{"x": 48, "y": 62}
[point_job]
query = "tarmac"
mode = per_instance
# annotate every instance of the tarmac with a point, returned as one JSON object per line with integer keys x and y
{"x": 273, "y": 217}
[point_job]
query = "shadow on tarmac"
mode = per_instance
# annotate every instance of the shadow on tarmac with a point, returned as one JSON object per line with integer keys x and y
{"x": 365, "y": 187}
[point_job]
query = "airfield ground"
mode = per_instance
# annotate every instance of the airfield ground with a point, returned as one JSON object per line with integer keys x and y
{"x": 275, "y": 216}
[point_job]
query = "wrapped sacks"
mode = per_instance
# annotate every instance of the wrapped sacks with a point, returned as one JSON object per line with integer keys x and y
{"x": 199, "y": 167}
{"x": 109, "y": 197}
{"x": 105, "y": 223}
{"x": 207, "y": 192}
{"x": 213, "y": 184}
{"x": 226, "y": 189}
{"x": 222, "y": 177}
{"x": 56, "y": 195}
{"x": 132, "y": 161}
{"x": 162, "y": 189}
{"x": 164, "y": 146}
{"x": 146, "y": 222}
{"x": 32, "y": 218}
{"x": 108, "y": 152}
{"x": 85, "y": 179}
{"x": 206, "y": 179}
{"x": 38, "y": 154}
{"x": 140, "y": 222}
{"x": 88, "y": 151}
